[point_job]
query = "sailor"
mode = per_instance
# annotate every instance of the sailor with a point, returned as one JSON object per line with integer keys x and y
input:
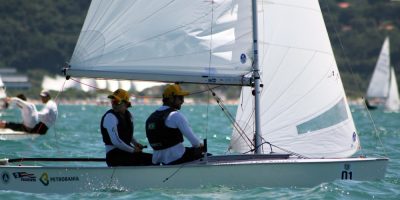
{"x": 122, "y": 149}
{"x": 48, "y": 114}
{"x": 166, "y": 127}
{"x": 29, "y": 114}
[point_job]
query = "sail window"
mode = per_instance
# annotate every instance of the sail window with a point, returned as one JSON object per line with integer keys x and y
{"x": 333, "y": 116}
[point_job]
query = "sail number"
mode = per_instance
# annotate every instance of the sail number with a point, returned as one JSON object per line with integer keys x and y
{"x": 347, "y": 175}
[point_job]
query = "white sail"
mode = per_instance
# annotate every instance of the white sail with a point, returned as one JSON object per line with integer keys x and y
{"x": 392, "y": 102}
{"x": 303, "y": 103}
{"x": 58, "y": 83}
{"x": 101, "y": 84}
{"x": 142, "y": 85}
{"x": 170, "y": 41}
{"x": 87, "y": 84}
{"x": 125, "y": 84}
{"x": 112, "y": 85}
{"x": 379, "y": 85}
{"x": 2, "y": 89}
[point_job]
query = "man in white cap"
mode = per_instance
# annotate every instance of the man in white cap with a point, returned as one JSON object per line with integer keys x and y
{"x": 48, "y": 114}
{"x": 117, "y": 129}
{"x": 166, "y": 127}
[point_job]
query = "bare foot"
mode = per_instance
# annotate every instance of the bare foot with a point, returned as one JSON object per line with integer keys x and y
{"x": 2, "y": 124}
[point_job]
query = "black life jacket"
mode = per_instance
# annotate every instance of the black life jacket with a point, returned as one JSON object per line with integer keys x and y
{"x": 158, "y": 134}
{"x": 125, "y": 128}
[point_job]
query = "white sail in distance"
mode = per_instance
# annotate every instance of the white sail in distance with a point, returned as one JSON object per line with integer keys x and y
{"x": 303, "y": 103}
{"x": 379, "y": 85}
{"x": 2, "y": 89}
{"x": 392, "y": 102}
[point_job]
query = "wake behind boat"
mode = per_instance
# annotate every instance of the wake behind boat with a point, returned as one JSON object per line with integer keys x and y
{"x": 298, "y": 125}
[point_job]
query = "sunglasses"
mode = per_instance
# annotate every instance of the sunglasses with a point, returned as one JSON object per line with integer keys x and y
{"x": 116, "y": 102}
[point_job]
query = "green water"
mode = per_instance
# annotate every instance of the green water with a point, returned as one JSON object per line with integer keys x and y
{"x": 77, "y": 134}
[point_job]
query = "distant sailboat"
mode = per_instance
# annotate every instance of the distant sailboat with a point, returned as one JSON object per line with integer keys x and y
{"x": 382, "y": 89}
{"x": 392, "y": 103}
{"x": 6, "y": 133}
{"x": 3, "y": 95}
{"x": 296, "y": 131}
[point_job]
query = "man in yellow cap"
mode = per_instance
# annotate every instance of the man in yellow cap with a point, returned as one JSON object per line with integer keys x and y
{"x": 117, "y": 130}
{"x": 166, "y": 127}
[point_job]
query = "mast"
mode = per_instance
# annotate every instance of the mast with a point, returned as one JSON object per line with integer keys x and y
{"x": 256, "y": 76}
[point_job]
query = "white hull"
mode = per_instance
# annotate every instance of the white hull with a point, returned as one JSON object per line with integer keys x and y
{"x": 218, "y": 171}
{"x": 8, "y": 134}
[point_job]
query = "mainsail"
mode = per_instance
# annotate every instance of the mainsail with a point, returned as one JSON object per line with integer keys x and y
{"x": 211, "y": 42}
{"x": 303, "y": 104}
{"x": 164, "y": 40}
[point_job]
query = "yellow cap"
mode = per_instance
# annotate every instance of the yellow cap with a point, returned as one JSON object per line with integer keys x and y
{"x": 120, "y": 95}
{"x": 174, "y": 90}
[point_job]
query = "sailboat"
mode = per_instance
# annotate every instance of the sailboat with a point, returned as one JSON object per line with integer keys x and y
{"x": 6, "y": 133}
{"x": 382, "y": 89}
{"x": 392, "y": 103}
{"x": 296, "y": 130}
{"x": 3, "y": 95}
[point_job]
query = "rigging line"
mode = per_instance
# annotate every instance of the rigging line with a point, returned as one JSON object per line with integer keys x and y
{"x": 55, "y": 124}
{"x": 111, "y": 178}
{"x": 85, "y": 83}
{"x": 209, "y": 68}
{"x": 207, "y": 124}
{"x": 237, "y": 127}
{"x": 242, "y": 133}
{"x": 202, "y": 91}
{"x": 377, "y": 133}
{"x": 247, "y": 121}
{"x": 272, "y": 145}
{"x": 173, "y": 173}
{"x": 353, "y": 75}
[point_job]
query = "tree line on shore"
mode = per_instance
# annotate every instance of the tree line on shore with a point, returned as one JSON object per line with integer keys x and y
{"x": 38, "y": 36}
